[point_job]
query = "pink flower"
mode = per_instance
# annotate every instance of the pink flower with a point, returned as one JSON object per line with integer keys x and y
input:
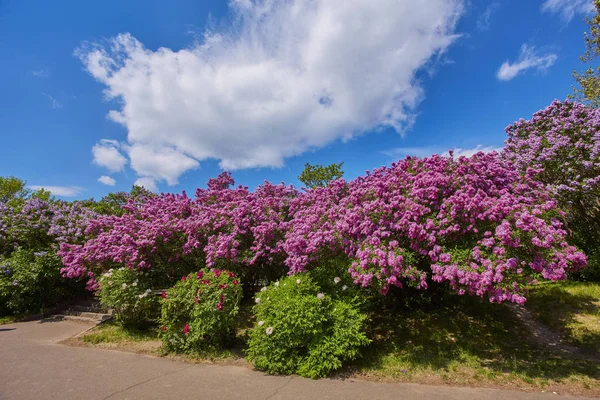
{"x": 163, "y": 294}
{"x": 186, "y": 329}
{"x": 164, "y": 329}
{"x": 199, "y": 274}
{"x": 219, "y": 306}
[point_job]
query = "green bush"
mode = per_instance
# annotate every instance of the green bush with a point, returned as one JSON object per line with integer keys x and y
{"x": 199, "y": 312}
{"x": 31, "y": 281}
{"x": 301, "y": 330}
{"x": 128, "y": 293}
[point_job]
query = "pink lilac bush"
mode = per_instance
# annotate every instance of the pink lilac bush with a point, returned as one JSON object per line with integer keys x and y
{"x": 237, "y": 226}
{"x": 475, "y": 223}
{"x": 563, "y": 142}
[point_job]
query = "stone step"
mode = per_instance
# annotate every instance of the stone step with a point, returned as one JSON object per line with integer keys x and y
{"x": 90, "y": 315}
{"x": 76, "y": 318}
{"x": 84, "y": 308}
{"x": 89, "y": 303}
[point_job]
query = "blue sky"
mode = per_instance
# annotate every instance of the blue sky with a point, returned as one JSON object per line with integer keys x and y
{"x": 167, "y": 94}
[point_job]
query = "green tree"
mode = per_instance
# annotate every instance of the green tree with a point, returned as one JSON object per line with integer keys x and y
{"x": 314, "y": 176}
{"x": 112, "y": 203}
{"x": 589, "y": 80}
{"x": 12, "y": 189}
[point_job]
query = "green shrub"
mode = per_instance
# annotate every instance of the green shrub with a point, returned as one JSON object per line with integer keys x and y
{"x": 128, "y": 292}
{"x": 301, "y": 330}
{"x": 31, "y": 281}
{"x": 199, "y": 312}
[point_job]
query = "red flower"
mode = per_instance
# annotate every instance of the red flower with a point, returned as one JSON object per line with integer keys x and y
{"x": 205, "y": 282}
{"x": 164, "y": 329}
{"x": 196, "y": 299}
{"x": 222, "y": 286}
{"x": 235, "y": 282}
{"x": 231, "y": 274}
{"x": 163, "y": 294}
{"x": 183, "y": 278}
{"x": 186, "y": 329}
{"x": 219, "y": 306}
{"x": 217, "y": 273}
{"x": 199, "y": 274}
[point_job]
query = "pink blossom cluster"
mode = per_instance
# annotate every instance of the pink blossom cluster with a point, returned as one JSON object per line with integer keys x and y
{"x": 475, "y": 223}
{"x": 563, "y": 142}
{"x": 38, "y": 224}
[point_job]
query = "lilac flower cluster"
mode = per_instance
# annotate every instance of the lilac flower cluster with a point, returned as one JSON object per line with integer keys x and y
{"x": 475, "y": 223}
{"x": 562, "y": 141}
{"x": 38, "y": 224}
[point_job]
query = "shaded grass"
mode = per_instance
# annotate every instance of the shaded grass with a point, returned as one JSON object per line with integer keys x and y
{"x": 433, "y": 338}
{"x": 570, "y": 308}
{"x": 146, "y": 341}
{"x": 466, "y": 341}
{"x": 8, "y": 319}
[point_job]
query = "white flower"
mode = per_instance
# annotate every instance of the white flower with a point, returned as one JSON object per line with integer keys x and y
{"x": 298, "y": 281}
{"x": 320, "y": 296}
{"x": 264, "y": 289}
{"x": 269, "y": 330}
{"x": 344, "y": 287}
{"x": 277, "y": 283}
{"x": 261, "y": 323}
{"x": 141, "y": 296}
{"x": 134, "y": 283}
{"x": 109, "y": 283}
{"x": 337, "y": 280}
{"x": 257, "y": 300}
{"x": 148, "y": 291}
{"x": 124, "y": 286}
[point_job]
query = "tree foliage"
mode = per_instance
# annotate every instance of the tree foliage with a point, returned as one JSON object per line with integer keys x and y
{"x": 589, "y": 80}
{"x": 314, "y": 176}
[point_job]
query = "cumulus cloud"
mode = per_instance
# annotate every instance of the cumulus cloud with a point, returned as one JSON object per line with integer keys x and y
{"x": 568, "y": 8}
{"x": 401, "y": 152}
{"x": 283, "y": 78}
{"x": 62, "y": 191}
{"x": 528, "y": 59}
{"x": 107, "y": 154}
{"x": 147, "y": 183}
{"x": 483, "y": 22}
{"x": 107, "y": 180}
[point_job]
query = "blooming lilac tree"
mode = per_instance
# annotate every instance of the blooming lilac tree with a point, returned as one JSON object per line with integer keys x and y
{"x": 562, "y": 144}
{"x": 475, "y": 223}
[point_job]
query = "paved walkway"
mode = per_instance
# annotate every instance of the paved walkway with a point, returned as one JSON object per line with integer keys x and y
{"x": 34, "y": 366}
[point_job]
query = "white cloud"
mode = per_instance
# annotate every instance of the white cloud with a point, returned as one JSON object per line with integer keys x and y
{"x": 568, "y": 8}
{"x": 54, "y": 104}
{"x": 63, "y": 191}
{"x": 107, "y": 154}
{"x": 284, "y": 78}
{"x": 148, "y": 183}
{"x": 528, "y": 59}
{"x": 41, "y": 73}
{"x": 483, "y": 22}
{"x": 107, "y": 180}
{"x": 401, "y": 152}
{"x": 459, "y": 152}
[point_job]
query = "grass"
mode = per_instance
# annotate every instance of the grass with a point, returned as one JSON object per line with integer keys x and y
{"x": 570, "y": 308}
{"x": 444, "y": 339}
{"x": 8, "y": 319}
{"x": 467, "y": 341}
